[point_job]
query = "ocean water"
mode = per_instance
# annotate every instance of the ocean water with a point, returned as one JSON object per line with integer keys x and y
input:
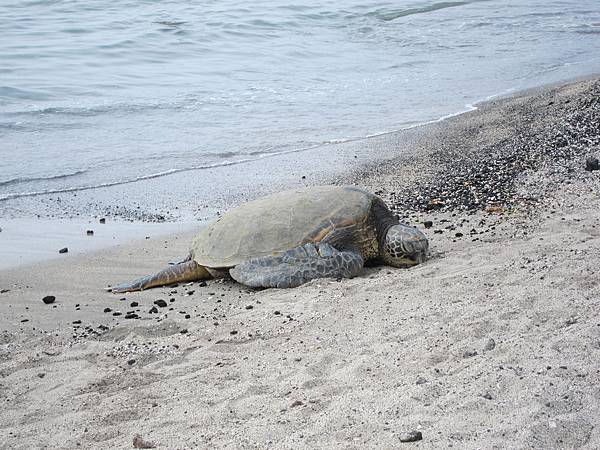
{"x": 97, "y": 93}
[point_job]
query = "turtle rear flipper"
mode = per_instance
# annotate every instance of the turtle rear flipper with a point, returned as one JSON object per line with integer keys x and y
{"x": 297, "y": 266}
{"x": 185, "y": 271}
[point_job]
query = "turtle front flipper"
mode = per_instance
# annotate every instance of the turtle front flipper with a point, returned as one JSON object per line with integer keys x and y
{"x": 185, "y": 271}
{"x": 297, "y": 266}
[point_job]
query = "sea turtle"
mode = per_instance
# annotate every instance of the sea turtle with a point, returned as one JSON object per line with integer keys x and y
{"x": 286, "y": 239}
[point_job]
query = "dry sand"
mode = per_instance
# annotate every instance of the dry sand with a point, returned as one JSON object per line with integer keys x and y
{"x": 494, "y": 342}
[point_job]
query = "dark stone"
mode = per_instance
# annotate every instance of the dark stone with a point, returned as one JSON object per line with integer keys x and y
{"x": 131, "y": 316}
{"x": 131, "y": 362}
{"x": 487, "y": 396}
{"x": 233, "y": 332}
{"x": 133, "y": 304}
{"x": 24, "y": 320}
{"x": 490, "y": 345}
{"x": 49, "y": 299}
{"x": 116, "y": 313}
{"x": 458, "y": 235}
{"x": 428, "y": 224}
{"x": 277, "y": 313}
{"x": 410, "y": 436}
{"x": 249, "y": 306}
{"x": 190, "y": 292}
{"x": 41, "y": 375}
{"x": 187, "y": 316}
{"x": 161, "y": 303}
{"x": 153, "y": 310}
{"x": 63, "y": 250}
{"x": 202, "y": 284}
{"x": 591, "y": 163}
{"x": 184, "y": 331}
{"x": 421, "y": 380}
{"x": 103, "y": 220}
{"x": 90, "y": 232}
{"x": 76, "y": 322}
{"x": 297, "y": 403}
{"x": 469, "y": 353}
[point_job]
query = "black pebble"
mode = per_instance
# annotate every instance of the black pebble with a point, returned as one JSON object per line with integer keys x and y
{"x": 131, "y": 316}
{"x": 411, "y": 436}
{"x": 249, "y": 306}
{"x": 233, "y": 332}
{"x": 184, "y": 331}
{"x": 131, "y": 362}
{"x": 90, "y": 232}
{"x": 277, "y": 313}
{"x": 591, "y": 163}
{"x": 107, "y": 310}
{"x": 202, "y": 284}
{"x": 153, "y": 310}
{"x": 133, "y": 304}
{"x": 76, "y": 322}
{"x": 63, "y": 250}
{"x": 458, "y": 234}
{"x": 428, "y": 224}
{"x": 160, "y": 302}
{"x": 49, "y": 299}
{"x": 116, "y": 313}
{"x": 103, "y": 220}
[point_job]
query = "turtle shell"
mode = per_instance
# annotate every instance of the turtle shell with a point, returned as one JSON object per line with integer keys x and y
{"x": 279, "y": 222}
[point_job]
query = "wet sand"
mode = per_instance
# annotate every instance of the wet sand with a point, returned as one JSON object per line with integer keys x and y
{"x": 491, "y": 343}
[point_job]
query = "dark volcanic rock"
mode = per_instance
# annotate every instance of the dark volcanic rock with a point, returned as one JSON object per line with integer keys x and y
{"x": 161, "y": 303}
{"x": 591, "y": 163}
{"x": 410, "y": 436}
{"x": 63, "y": 250}
{"x": 49, "y": 299}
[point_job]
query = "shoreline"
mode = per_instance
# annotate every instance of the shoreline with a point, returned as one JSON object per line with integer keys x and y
{"x": 352, "y": 156}
{"x": 493, "y": 342}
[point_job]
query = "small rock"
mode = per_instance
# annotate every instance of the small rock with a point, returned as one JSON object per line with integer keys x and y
{"x": 41, "y": 375}
{"x": 277, "y": 313}
{"x": 469, "y": 353}
{"x": 63, "y": 250}
{"x": 249, "y": 307}
{"x": 133, "y": 304}
{"x": 90, "y": 232}
{"x": 184, "y": 331}
{"x": 24, "y": 320}
{"x": 103, "y": 220}
{"x": 410, "y": 436}
{"x": 77, "y": 322}
{"x": 131, "y": 316}
{"x": 161, "y": 303}
{"x": 233, "y": 332}
{"x": 107, "y": 310}
{"x": 153, "y": 310}
{"x": 131, "y": 362}
{"x": 487, "y": 396}
{"x": 591, "y": 163}
{"x": 138, "y": 442}
{"x": 49, "y": 299}
{"x": 428, "y": 224}
{"x": 489, "y": 345}
{"x": 421, "y": 380}
{"x": 296, "y": 403}
{"x": 458, "y": 235}
{"x": 116, "y": 313}
{"x": 202, "y": 284}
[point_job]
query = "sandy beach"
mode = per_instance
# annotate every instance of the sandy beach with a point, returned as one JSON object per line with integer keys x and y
{"x": 492, "y": 343}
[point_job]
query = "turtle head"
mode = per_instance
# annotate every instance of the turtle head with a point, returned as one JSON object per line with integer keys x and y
{"x": 403, "y": 246}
